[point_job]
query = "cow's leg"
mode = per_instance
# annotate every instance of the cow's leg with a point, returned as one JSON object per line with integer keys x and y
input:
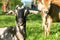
{"x": 45, "y": 29}
{"x": 44, "y": 25}
{"x": 19, "y": 36}
{"x": 49, "y": 22}
{"x": 43, "y": 15}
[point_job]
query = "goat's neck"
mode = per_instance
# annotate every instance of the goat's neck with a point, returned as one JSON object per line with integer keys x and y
{"x": 19, "y": 33}
{"x": 18, "y": 28}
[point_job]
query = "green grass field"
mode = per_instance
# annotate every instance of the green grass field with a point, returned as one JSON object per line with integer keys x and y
{"x": 7, "y": 20}
{"x": 33, "y": 27}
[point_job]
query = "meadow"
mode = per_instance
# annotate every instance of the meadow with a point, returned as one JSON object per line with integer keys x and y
{"x": 33, "y": 27}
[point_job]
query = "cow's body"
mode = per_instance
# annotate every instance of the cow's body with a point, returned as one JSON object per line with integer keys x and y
{"x": 56, "y": 2}
{"x": 50, "y": 11}
{"x": 54, "y": 12}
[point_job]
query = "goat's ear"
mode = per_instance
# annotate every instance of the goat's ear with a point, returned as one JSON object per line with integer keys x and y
{"x": 16, "y": 10}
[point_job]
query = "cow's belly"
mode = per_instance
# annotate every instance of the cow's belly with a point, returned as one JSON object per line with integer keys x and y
{"x": 54, "y": 12}
{"x": 55, "y": 18}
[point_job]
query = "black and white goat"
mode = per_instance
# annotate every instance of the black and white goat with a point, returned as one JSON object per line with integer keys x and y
{"x": 19, "y": 31}
{"x": 21, "y": 22}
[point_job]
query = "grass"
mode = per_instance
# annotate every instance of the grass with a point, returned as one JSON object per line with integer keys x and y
{"x": 7, "y": 20}
{"x": 33, "y": 27}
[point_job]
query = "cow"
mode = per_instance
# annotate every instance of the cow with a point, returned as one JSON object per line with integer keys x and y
{"x": 50, "y": 12}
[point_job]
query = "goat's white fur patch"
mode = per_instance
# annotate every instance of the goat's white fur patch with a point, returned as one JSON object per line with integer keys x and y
{"x": 21, "y": 27}
{"x": 2, "y": 30}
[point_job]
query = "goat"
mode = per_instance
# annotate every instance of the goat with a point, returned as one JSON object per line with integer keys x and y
{"x": 17, "y": 32}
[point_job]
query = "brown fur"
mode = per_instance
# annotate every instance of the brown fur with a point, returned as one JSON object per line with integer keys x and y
{"x": 46, "y": 3}
{"x": 52, "y": 15}
{"x": 56, "y": 2}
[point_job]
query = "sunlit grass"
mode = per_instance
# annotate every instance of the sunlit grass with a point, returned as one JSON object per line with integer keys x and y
{"x": 33, "y": 27}
{"x": 7, "y": 20}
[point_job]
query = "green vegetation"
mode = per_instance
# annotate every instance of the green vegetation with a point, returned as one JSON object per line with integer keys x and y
{"x": 7, "y": 20}
{"x": 33, "y": 27}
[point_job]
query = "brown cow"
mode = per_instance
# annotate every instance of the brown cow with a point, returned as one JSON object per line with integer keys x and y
{"x": 50, "y": 11}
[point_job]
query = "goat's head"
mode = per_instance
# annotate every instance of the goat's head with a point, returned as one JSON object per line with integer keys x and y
{"x": 44, "y": 5}
{"x": 20, "y": 15}
{"x": 20, "y": 20}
